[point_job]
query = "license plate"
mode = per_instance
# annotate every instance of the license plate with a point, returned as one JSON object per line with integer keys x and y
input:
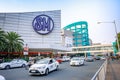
{"x": 73, "y": 63}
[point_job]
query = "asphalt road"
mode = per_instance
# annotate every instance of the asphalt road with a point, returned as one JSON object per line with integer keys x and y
{"x": 65, "y": 72}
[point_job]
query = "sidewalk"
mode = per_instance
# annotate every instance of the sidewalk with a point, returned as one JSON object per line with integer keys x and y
{"x": 113, "y": 70}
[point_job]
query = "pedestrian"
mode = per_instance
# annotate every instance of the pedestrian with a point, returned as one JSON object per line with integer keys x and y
{"x": 112, "y": 57}
{"x": 108, "y": 59}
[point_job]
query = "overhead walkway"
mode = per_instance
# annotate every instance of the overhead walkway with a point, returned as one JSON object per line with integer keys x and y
{"x": 93, "y": 50}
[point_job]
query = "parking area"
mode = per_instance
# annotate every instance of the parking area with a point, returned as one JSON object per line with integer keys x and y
{"x": 65, "y": 72}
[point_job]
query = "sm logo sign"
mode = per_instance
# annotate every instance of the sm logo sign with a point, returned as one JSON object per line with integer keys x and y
{"x": 43, "y": 24}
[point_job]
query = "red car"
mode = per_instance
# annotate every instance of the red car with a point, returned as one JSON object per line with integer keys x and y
{"x": 59, "y": 60}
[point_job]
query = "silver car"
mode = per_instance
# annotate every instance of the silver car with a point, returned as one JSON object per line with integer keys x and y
{"x": 14, "y": 63}
{"x": 90, "y": 59}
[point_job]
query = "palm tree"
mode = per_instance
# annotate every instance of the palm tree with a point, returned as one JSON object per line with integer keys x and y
{"x": 2, "y": 40}
{"x": 118, "y": 35}
{"x": 14, "y": 42}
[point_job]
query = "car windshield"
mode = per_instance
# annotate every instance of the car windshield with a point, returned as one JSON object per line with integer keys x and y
{"x": 44, "y": 61}
{"x": 75, "y": 59}
{"x": 14, "y": 60}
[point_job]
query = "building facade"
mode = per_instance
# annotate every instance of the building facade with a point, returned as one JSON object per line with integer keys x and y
{"x": 67, "y": 38}
{"x": 80, "y": 33}
{"x": 41, "y": 30}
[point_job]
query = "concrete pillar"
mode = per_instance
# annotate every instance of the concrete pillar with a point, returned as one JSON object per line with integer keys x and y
{"x": 85, "y": 55}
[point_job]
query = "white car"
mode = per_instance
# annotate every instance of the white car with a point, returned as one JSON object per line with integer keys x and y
{"x": 43, "y": 66}
{"x": 76, "y": 61}
{"x": 102, "y": 58}
{"x": 2, "y": 78}
{"x": 65, "y": 58}
{"x": 13, "y": 63}
{"x": 90, "y": 59}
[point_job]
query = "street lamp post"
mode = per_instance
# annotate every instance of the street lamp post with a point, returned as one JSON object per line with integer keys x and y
{"x": 115, "y": 32}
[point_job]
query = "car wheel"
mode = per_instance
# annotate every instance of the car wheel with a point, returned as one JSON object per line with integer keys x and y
{"x": 23, "y": 65}
{"x": 47, "y": 71}
{"x": 7, "y": 67}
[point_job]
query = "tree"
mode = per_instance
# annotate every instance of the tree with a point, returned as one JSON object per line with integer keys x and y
{"x": 14, "y": 42}
{"x": 2, "y": 40}
{"x": 118, "y": 40}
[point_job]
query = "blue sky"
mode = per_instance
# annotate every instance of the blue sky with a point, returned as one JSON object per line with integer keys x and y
{"x": 72, "y": 11}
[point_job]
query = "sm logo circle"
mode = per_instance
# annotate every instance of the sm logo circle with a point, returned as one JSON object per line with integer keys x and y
{"x": 43, "y": 24}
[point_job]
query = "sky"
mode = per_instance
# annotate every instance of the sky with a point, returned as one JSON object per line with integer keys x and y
{"x": 92, "y": 11}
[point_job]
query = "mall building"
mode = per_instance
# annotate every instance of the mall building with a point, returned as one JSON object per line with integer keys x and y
{"x": 41, "y": 31}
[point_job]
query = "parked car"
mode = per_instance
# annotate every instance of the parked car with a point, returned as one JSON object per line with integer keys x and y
{"x": 90, "y": 59}
{"x": 97, "y": 57}
{"x": 103, "y": 58}
{"x": 43, "y": 66}
{"x": 65, "y": 58}
{"x": 2, "y": 78}
{"x": 59, "y": 60}
{"x": 75, "y": 61}
{"x": 14, "y": 63}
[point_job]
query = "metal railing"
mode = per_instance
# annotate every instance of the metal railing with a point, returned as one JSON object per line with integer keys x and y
{"x": 100, "y": 74}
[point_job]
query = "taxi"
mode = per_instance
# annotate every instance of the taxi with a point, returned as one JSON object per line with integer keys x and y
{"x": 43, "y": 66}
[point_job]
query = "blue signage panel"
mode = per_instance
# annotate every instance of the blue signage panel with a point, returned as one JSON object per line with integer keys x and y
{"x": 43, "y": 24}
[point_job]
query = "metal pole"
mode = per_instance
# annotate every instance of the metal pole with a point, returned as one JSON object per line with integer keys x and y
{"x": 116, "y": 35}
{"x": 115, "y": 32}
